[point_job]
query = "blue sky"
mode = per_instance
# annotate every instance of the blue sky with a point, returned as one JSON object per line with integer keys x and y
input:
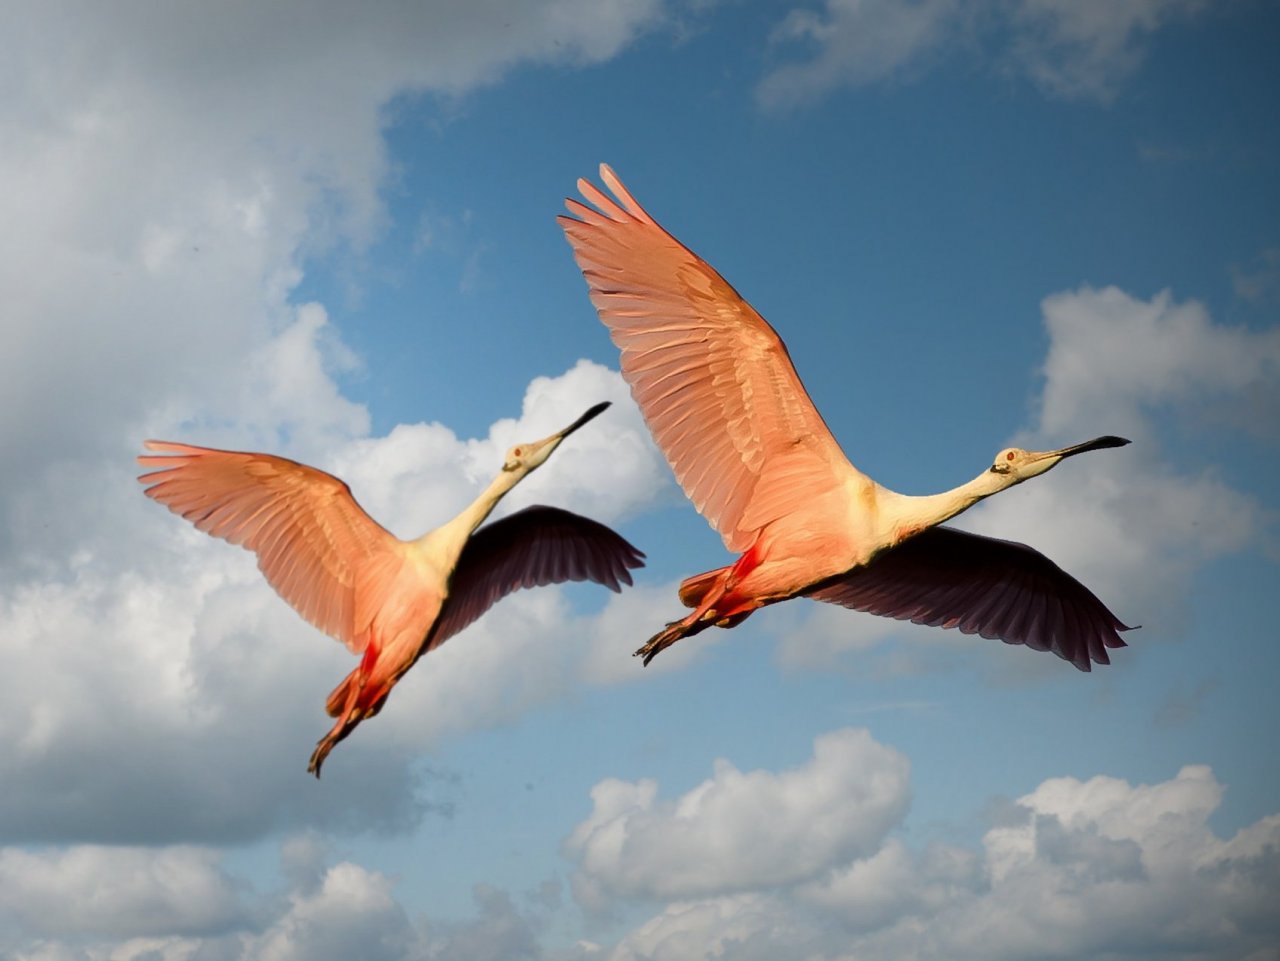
{"x": 331, "y": 235}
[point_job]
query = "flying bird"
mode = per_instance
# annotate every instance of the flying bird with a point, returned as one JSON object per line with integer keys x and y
{"x": 386, "y": 599}
{"x": 724, "y": 403}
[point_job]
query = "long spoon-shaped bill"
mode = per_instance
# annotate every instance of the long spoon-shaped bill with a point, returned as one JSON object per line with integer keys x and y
{"x": 1098, "y": 443}
{"x": 1037, "y": 462}
{"x": 538, "y": 452}
{"x": 597, "y": 409}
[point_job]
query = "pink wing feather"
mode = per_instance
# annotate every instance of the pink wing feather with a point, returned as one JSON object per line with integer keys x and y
{"x": 712, "y": 378}
{"x": 317, "y": 547}
{"x": 943, "y": 577}
{"x": 530, "y": 548}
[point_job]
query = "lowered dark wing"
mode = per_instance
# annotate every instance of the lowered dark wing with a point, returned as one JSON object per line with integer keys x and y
{"x": 530, "y": 548}
{"x": 944, "y": 577}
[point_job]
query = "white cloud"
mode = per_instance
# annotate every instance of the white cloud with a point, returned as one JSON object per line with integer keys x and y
{"x": 1085, "y": 48}
{"x": 1069, "y": 48}
{"x": 235, "y": 680}
{"x": 709, "y": 841}
{"x": 420, "y": 475}
{"x": 119, "y": 892}
{"x": 607, "y": 470}
{"x": 1096, "y": 868}
{"x": 1086, "y": 869}
{"x": 169, "y": 172}
{"x": 744, "y": 926}
{"x": 1130, "y": 525}
{"x": 625, "y": 624}
{"x": 1115, "y": 359}
{"x": 182, "y": 904}
{"x": 895, "y": 883}
{"x": 857, "y": 42}
{"x": 352, "y": 913}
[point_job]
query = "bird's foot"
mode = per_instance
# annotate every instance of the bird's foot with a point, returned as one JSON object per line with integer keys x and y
{"x": 328, "y": 743}
{"x": 663, "y": 639}
{"x": 323, "y": 747}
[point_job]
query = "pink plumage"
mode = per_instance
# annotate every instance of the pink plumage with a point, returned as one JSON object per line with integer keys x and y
{"x": 725, "y": 405}
{"x": 389, "y": 600}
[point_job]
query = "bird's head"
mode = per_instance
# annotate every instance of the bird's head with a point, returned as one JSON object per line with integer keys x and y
{"x": 531, "y": 456}
{"x": 1014, "y": 465}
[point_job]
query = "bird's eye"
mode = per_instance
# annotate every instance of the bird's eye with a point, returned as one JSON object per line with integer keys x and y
{"x": 517, "y": 452}
{"x": 1009, "y": 456}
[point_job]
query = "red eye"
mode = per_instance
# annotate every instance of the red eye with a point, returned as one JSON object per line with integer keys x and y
{"x": 518, "y": 452}
{"x": 1009, "y": 456}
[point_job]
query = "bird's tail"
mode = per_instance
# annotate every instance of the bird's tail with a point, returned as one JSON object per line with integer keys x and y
{"x": 693, "y": 590}
{"x": 337, "y": 702}
{"x": 369, "y": 699}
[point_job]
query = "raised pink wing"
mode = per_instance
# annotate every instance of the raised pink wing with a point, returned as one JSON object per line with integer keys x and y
{"x": 530, "y": 548}
{"x": 944, "y": 577}
{"x": 712, "y": 378}
{"x": 317, "y": 547}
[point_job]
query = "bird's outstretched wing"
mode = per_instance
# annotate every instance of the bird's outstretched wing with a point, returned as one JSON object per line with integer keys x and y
{"x": 317, "y": 547}
{"x": 712, "y": 378}
{"x": 532, "y": 547}
{"x": 943, "y": 577}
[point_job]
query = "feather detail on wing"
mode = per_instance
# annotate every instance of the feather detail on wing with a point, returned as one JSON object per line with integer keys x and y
{"x": 943, "y": 577}
{"x": 317, "y": 547}
{"x": 712, "y": 378}
{"x": 530, "y": 548}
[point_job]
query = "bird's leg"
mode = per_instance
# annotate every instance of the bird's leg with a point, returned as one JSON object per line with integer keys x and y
{"x": 702, "y": 617}
{"x": 326, "y": 744}
{"x": 349, "y": 712}
{"x": 718, "y": 604}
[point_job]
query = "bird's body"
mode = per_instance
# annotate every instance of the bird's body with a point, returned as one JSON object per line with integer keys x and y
{"x": 386, "y": 599}
{"x": 725, "y": 405}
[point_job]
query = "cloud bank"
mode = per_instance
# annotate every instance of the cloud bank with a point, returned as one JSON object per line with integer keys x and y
{"x": 1078, "y": 869}
{"x": 1073, "y": 870}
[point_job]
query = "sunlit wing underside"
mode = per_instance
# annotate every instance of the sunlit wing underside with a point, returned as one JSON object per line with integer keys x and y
{"x": 712, "y": 378}
{"x": 316, "y": 546}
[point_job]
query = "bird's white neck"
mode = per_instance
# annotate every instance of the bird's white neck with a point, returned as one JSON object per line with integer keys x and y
{"x": 907, "y": 514}
{"x": 449, "y": 538}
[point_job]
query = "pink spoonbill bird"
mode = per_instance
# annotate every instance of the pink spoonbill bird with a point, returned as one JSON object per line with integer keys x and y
{"x": 724, "y": 403}
{"x": 386, "y": 599}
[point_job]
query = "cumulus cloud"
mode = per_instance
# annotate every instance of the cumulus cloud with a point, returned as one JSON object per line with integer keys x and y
{"x": 1085, "y": 869}
{"x": 1116, "y": 359}
{"x": 181, "y": 904}
{"x": 170, "y": 170}
{"x": 838, "y": 804}
{"x": 235, "y": 680}
{"x": 119, "y": 892}
{"x": 1075, "y": 49}
{"x": 1088, "y": 868}
{"x": 351, "y": 913}
{"x": 1129, "y": 523}
{"x": 170, "y": 173}
{"x": 745, "y": 927}
{"x": 420, "y": 475}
